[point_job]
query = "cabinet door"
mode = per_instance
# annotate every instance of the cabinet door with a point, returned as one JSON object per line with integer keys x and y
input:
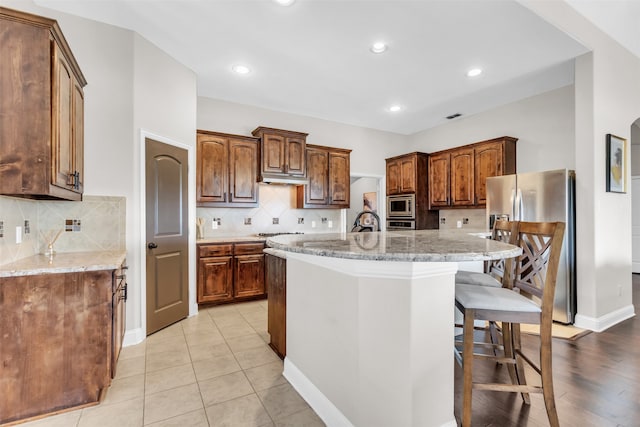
{"x": 212, "y": 172}
{"x": 394, "y": 177}
{"x": 249, "y": 275}
{"x": 273, "y": 156}
{"x": 243, "y": 171}
{"x": 215, "y": 279}
{"x": 408, "y": 174}
{"x": 62, "y": 121}
{"x": 78, "y": 137}
{"x": 489, "y": 162}
{"x": 462, "y": 177}
{"x": 339, "y": 179}
{"x": 439, "y": 180}
{"x": 295, "y": 159}
{"x": 317, "y": 191}
{"x": 276, "y": 278}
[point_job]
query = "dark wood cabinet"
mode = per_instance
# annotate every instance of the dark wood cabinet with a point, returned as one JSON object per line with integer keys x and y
{"x": 462, "y": 177}
{"x": 230, "y": 272}
{"x": 409, "y": 174}
{"x": 328, "y": 170}
{"x": 276, "y": 278}
{"x": 282, "y": 153}
{"x": 41, "y": 110}
{"x": 401, "y": 175}
{"x": 60, "y": 335}
{"x": 457, "y": 177}
{"x": 226, "y": 170}
{"x": 493, "y": 158}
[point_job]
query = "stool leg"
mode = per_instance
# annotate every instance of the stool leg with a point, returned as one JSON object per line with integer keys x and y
{"x": 547, "y": 377}
{"x": 517, "y": 347}
{"x": 507, "y": 341}
{"x": 467, "y": 367}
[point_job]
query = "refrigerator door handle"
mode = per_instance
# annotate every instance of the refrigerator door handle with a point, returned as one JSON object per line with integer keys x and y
{"x": 517, "y": 211}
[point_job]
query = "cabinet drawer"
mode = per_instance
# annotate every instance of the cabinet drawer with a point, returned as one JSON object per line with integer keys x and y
{"x": 248, "y": 248}
{"x": 214, "y": 250}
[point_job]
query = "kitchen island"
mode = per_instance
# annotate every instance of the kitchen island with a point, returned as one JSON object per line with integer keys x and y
{"x": 370, "y": 322}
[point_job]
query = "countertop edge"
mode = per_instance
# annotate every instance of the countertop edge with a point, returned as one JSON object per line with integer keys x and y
{"x": 67, "y": 262}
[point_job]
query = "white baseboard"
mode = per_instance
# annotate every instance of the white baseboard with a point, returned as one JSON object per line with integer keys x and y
{"x": 133, "y": 337}
{"x": 326, "y": 410}
{"x": 599, "y": 324}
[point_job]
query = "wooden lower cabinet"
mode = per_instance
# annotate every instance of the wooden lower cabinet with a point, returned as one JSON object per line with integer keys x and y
{"x": 276, "y": 278}
{"x": 56, "y": 342}
{"x": 230, "y": 272}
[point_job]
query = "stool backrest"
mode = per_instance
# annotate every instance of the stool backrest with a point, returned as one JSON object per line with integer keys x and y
{"x": 503, "y": 231}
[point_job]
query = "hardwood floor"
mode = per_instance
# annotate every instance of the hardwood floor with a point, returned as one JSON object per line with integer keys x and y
{"x": 596, "y": 382}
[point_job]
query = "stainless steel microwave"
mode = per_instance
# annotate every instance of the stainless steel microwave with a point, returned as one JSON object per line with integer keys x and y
{"x": 401, "y": 206}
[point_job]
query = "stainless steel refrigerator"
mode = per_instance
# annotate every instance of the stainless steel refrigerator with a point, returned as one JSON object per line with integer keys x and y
{"x": 542, "y": 196}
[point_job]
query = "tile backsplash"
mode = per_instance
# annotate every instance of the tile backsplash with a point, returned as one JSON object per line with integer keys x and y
{"x": 469, "y": 218}
{"x": 98, "y": 223}
{"x": 276, "y": 213}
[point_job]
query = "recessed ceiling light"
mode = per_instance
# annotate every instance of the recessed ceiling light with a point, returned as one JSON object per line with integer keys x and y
{"x": 241, "y": 69}
{"x": 285, "y": 2}
{"x": 395, "y": 108}
{"x": 474, "y": 72}
{"x": 378, "y": 47}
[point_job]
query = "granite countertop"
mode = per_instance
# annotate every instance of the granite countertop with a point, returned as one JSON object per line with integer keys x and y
{"x": 67, "y": 262}
{"x": 412, "y": 246}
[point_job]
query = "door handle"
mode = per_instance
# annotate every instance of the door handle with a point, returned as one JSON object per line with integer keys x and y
{"x": 152, "y": 245}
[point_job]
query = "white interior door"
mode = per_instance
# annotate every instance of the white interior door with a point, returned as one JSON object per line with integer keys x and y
{"x": 635, "y": 224}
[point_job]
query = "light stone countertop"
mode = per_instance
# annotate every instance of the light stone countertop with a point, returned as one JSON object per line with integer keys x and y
{"x": 409, "y": 246}
{"x": 67, "y": 262}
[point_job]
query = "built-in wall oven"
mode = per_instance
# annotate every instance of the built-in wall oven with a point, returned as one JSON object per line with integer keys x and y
{"x": 401, "y": 212}
{"x": 401, "y": 224}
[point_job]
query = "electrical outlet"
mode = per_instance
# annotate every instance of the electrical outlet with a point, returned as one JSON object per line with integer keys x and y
{"x": 324, "y": 220}
{"x": 215, "y": 223}
{"x": 72, "y": 225}
{"x": 465, "y": 220}
{"x": 1, "y": 229}
{"x": 27, "y": 227}
{"x": 247, "y": 221}
{"x": 443, "y": 220}
{"x": 330, "y": 224}
{"x": 300, "y": 220}
{"x": 18, "y": 234}
{"x": 276, "y": 220}
{"x": 313, "y": 224}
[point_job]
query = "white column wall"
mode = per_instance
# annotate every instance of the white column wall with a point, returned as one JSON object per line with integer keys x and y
{"x": 607, "y": 101}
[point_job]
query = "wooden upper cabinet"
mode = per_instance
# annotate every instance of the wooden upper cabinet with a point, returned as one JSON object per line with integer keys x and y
{"x": 41, "y": 110}
{"x": 226, "y": 170}
{"x": 462, "y": 187}
{"x": 328, "y": 170}
{"x": 339, "y": 179}
{"x": 282, "y": 153}
{"x": 212, "y": 173}
{"x": 401, "y": 175}
{"x": 493, "y": 158}
{"x": 439, "y": 166}
{"x": 458, "y": 177}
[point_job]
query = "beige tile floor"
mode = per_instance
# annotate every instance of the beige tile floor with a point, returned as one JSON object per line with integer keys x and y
{"x": 214, "y": 369}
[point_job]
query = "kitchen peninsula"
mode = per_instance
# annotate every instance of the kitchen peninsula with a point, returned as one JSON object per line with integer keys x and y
{"x": 370, "y": 322}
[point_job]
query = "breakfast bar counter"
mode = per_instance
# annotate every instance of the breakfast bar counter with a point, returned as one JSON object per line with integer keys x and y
{"x": 370, "y": 322}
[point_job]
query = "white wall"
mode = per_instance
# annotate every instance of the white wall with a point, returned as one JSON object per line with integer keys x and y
{"x": 543, "y": 124}
{"x": 607, "y": 101}
{"x": 370, "y": 147}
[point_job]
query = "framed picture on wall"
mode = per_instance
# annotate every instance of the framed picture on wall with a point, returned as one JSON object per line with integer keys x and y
{"x": 616, "y": 164}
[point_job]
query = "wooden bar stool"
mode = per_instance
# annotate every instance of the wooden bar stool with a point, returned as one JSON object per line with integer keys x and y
{"x": 526, "y": 298}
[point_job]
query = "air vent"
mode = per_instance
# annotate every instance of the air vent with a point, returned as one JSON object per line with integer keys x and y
{"x": 453, "y": 116}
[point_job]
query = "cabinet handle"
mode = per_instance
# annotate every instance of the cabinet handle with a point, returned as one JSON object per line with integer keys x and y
{"x": 152, "y": 245}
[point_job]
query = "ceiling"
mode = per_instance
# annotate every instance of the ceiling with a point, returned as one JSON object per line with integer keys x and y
{"x": 312, "y": 58}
